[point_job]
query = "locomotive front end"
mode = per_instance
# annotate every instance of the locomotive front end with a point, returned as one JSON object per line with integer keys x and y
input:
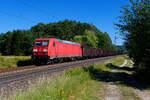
{"x": 40, "y": 51}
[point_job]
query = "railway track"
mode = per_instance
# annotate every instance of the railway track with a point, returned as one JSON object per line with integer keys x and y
{"x": 20, "y": 75}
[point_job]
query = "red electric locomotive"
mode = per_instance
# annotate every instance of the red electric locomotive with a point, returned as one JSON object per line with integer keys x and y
{"x": 52, "y": 49}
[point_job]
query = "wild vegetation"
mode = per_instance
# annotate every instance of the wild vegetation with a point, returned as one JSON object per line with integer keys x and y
{"x": 73, "y": 84}
{"x": 20, "y": 42}
{"x": 134, "y": 25}
{"x": 90, "y": 83}
{"x": 12, "y": 61}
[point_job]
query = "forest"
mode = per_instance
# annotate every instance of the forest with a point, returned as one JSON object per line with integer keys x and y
{"x": 20, "y": 42}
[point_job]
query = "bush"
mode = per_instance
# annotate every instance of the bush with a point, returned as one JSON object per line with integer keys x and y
{"x": 142, "y": 72}
{"x": 135, "y": 22}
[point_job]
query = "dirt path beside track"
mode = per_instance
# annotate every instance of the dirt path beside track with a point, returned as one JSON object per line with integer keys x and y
{"x": 113, "y": 91}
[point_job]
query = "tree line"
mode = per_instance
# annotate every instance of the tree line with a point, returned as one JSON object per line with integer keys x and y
{"x": 135, "y": 26}
{"x": 20, "y": 42}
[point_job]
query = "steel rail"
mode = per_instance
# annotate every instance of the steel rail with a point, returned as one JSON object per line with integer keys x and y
{"x": 16, "y": 76}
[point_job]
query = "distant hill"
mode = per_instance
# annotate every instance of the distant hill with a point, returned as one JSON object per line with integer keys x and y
{"x": 20, "y": 42}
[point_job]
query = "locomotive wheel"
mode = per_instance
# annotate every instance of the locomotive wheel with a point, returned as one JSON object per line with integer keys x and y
{"x": 61, "y": 60}
{"x": 38, "y": 63}
{"x": 49, "y": 62}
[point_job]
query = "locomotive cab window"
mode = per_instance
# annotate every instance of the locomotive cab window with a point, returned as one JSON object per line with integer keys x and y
{"x": 41, "y": 43}
{"x": 53, "y": 44}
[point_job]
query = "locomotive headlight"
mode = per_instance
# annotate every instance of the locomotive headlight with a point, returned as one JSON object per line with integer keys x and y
{"x": 45, "y": 50}
{"x": 35, "y": 50}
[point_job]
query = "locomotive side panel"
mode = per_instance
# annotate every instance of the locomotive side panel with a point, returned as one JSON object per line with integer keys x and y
{"x": 67, "y": 49}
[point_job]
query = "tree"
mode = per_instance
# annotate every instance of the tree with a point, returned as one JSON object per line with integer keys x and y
{"x": 135, "y": 26}
{"x": 65, "y": 30}
{"x": 38, "y": 30}
{"x": 27, "y": 43}
{"x": 2, "y": 42}
{"x": 17, "y": 43}
{"x": 104, "y": 41}
{"x": 89, "y": 39}
{"x": 7, "y": 44}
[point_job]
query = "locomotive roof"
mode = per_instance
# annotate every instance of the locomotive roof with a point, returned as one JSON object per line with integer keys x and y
{"x": 70, "y": 42}
{"x": 63, "y": 41}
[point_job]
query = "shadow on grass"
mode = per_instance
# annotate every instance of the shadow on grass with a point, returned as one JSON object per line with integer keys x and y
{"x": 125, "y": 68}
{"x": 119, "y": 78}
{"x": 24, "y": 63}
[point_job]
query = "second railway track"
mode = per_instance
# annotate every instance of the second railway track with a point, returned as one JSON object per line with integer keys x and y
{"x": 20, "y": 75}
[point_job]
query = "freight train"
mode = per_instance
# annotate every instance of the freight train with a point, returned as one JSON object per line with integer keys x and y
{"x": 52, "y": 50}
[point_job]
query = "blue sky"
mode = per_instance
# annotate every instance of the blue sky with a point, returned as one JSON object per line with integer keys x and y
{"x": 23, "y": 14}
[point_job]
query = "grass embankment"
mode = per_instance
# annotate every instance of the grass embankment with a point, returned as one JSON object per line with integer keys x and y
{"x": 117, "y": 61}
{"x": 13, "y": 61}
{"x": 73, "y": 84}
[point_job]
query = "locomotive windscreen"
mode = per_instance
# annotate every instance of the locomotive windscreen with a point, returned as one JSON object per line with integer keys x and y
{"x": 41, "y": 43}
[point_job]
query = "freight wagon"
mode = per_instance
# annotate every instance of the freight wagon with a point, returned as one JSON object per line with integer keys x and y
{"x": 54, "y": 50}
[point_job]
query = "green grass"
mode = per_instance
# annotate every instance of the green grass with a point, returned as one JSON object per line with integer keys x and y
{"x": 128, "y": 93}
{"x": 75, "y": 84}
{"x": 12, "y": 61}
{"x": 117, "y": 61}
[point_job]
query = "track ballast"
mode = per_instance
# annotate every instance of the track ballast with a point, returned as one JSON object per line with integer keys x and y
{"x": 20, "y": 75}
